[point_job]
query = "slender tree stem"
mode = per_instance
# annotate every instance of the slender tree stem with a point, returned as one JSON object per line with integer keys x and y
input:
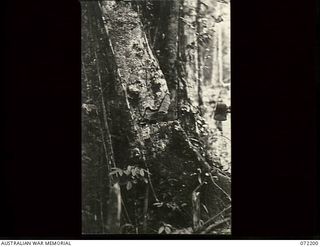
{"x": 145, "y": 209}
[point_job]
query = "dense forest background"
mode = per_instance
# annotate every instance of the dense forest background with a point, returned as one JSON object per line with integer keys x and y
{"x": 156, "y": 140}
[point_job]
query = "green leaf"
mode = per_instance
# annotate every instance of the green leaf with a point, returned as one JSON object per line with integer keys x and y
{"x": 129, "y": 185}
{"x": 167, "y": 229}
{"x": 126, "y": 172}
{"x": 133, "y": 171}
{"x": 113, "y": 172}
{"x": 199, "y": 178}
{"x": 161, "y": 229}
{"x": 136, "y": 171}
{"x": 120, "y": 172}
{"x": 142, "y": 172}
{"x": 158, "y": 204}
{"x": 205, "y": 208}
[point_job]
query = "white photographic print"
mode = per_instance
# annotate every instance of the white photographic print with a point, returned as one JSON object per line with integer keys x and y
{"x": 156, "y": 117}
